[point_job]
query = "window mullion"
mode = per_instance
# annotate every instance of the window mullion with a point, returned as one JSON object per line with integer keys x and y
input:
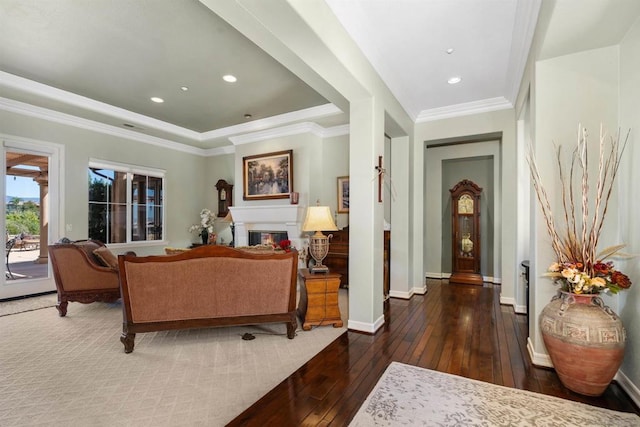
{"x": 129, "y": 206}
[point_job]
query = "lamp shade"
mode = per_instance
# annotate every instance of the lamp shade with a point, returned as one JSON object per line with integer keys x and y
{"x": 228, "y": 217}
{"x": 319, "y": 219}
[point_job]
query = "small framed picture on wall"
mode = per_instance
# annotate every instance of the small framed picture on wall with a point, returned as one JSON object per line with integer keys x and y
{"x": 343, "y": 194}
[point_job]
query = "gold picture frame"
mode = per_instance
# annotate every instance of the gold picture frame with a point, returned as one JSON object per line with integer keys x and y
{"x": 267, "y": 176}
{"x": 343, "y": 194}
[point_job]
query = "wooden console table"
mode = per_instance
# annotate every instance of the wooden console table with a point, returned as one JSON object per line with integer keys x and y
{"x": 319, "y": 299}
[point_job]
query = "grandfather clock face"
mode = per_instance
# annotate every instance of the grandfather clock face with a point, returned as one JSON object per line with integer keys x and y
{"x": 465, "y": 233}
{"x": 465, "y": 204}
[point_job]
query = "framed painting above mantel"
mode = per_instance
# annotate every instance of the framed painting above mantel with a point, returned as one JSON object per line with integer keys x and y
{"x": 267, "y": 176}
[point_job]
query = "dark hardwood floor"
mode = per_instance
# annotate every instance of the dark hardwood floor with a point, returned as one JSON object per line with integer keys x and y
{"x": 459, "y": 329}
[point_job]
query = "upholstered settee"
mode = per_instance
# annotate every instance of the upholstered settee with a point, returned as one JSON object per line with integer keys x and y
{"x": 84, "y": 271}
{"x": 207, "y": 286}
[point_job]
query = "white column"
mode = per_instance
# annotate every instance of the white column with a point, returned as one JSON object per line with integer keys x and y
{"x": 401, "y": 284}
{"x": 366, "y": 217}
{"x": 43, "y": 182}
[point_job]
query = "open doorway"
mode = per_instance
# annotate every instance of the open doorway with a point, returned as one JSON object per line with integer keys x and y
{"x": 25, "y": 216}
{"x": 27, "y": 212}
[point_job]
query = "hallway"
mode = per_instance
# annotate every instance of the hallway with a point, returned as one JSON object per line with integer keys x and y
{"x": 458, "y": 329}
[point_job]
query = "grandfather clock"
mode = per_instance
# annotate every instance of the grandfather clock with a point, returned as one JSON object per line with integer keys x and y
{"x": 225, "y": 197}
{"x": 465, "y": 232}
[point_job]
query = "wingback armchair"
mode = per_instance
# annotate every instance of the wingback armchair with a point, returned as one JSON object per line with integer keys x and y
{"x": 82, "y": 274}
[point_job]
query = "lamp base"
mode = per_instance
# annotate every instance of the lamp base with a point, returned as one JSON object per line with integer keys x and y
{"x": 319, "y": 269}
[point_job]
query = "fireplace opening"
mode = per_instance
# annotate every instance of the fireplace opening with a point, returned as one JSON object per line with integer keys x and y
{"x": 258, "y": 237}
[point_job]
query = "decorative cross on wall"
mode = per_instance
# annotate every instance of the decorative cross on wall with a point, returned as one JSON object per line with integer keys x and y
{"x": 381, "y": 172}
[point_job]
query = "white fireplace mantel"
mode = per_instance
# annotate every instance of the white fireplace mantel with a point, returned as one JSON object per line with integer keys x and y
{"x": 287, "y": 218}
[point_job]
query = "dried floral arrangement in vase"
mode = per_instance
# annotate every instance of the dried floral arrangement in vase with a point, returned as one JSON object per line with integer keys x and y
{"x": 585, "y": 338}
{"x": 579, "y": 268}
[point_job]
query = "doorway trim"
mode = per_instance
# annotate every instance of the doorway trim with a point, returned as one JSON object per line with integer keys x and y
{"x": 55, "y": 153}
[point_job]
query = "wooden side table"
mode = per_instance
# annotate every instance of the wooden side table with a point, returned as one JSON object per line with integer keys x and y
{"x": 319, "y": 299}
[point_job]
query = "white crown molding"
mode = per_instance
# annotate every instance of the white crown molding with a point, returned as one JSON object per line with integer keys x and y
{"x": 312, "y": 113}
{"x": 279, "y": 132}
{"x": 336, "y": 131}
{"x": 295, "y": 129}
{"x": 465, "y": 109}
{"x": 69, "y": 98}
{"x": 25, "y": 109}
{"x": 78, "y": 122}
{"x": 219, "y": 151}
{"x": 526, "y": 17}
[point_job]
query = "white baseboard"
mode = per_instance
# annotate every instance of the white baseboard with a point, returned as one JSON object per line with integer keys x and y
{"x": 369, "y": 328}
{"x": 429, "y": 275}
{"x": 626, "y": 384}
{"x": 400, "y": 294}
{"x": 488, "y": 279}
{"x": 538, "y": 359}
{"x": 520, "y": 309}
{"x": 508, "y": 301}
{"x": 419, "y": 290}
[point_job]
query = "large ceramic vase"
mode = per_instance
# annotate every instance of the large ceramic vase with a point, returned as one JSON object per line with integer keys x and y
{"x": 585, "y": 340}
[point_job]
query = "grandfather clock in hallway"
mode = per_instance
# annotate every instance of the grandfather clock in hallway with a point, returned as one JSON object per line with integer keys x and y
{"x": 465, "y": 232}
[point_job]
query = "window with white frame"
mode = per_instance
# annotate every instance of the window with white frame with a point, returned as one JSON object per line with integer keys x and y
{"x": 126, "y": 203}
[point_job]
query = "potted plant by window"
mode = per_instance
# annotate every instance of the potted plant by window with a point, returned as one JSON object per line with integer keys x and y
{"x": 585, "y": 338}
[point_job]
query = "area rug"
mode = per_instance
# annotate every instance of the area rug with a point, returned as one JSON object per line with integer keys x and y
{"x": 21, "y": 305}
{"x": 411, "y": 396}
{"x": 72, "y": 371}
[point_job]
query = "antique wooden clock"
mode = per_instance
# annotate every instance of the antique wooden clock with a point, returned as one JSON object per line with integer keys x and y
{"x": 465, "y": 232}
{"x": 225, "y": 197}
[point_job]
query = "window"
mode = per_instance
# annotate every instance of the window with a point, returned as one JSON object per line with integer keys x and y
{"x": 125, "y": 203}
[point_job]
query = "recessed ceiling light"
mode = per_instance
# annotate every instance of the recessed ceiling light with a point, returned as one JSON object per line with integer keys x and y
{"x": 157, "y": 100}
{"x": 450, "y": 50}
{"x": 454, "y": 80}
{"x": 247, "y": 116}
{"x": 184, "y": 88}
{"x": 229, "y": 78}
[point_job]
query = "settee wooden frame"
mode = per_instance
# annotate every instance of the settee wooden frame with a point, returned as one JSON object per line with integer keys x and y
{"x": 101, "y": 283}
{"x": 130, "y": 328}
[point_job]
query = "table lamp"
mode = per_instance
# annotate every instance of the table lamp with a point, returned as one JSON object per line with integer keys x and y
{"x": 319, "y": 219}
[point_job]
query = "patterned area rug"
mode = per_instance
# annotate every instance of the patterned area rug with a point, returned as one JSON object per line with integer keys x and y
{"x": 409, "y": 396}
{"x": 21, "y": 305}
{"x": 72, "y": 371}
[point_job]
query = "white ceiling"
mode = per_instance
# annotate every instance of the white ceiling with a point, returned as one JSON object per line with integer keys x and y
{"x": 103, "y": 60}
{"x": 406, "y": 41}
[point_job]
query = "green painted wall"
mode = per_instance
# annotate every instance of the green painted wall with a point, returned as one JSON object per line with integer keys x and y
{"x": 185, "y": 187}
